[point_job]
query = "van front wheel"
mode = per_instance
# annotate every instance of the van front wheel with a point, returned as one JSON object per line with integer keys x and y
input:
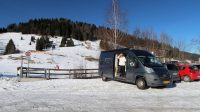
{"x": 141, "y": 83}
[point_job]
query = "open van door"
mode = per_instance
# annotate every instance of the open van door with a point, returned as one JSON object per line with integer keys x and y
{"x": 132, "y": 67}
{"x": 107, "y": 64}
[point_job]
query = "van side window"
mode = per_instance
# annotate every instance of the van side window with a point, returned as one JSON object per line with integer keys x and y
{"x": 131, "y": 61}
{"x": 107, "y": 61}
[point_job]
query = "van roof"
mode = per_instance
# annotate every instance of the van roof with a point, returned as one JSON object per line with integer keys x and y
{"x": 136, "y": 52}
{"x": 141, "y": 53}
{"x": 116, "y": 50}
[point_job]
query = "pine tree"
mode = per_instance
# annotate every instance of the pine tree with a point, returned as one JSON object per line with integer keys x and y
{"x": 39, "y": 45}
{"x": 70, "y": 43}
{"x": 10, "y": 48}
{"x": 63, "y": 42}
{"x": 32, "y": 39}
{"x": 47, "y": 43}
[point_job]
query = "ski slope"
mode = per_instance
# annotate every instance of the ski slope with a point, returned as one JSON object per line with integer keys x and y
{"x": 82, "y": 55}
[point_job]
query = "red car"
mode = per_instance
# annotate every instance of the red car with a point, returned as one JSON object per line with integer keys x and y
{"x": 189, "y": 72}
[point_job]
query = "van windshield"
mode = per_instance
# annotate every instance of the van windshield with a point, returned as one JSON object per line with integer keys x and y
{"x": 150, "y": 61}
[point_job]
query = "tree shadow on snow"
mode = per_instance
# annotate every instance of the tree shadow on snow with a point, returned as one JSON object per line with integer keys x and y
{"x": 8, "y": 75}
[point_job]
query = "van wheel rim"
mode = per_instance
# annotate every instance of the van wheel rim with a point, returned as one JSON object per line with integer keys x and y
{"x": 141, "y": 83}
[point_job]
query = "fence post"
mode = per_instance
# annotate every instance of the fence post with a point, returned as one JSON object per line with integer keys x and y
{"x": 85, "y": 73}
{"x": 45, "y": 73}
{"x": 26, "y": 72}
{"x": 91, "y": 74}
{"x": 48, "y": 74}
{"x": 69, "y": 74}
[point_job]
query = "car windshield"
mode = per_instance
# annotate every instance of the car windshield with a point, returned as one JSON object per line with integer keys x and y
{"x": 150, "y": 61}
{"x": 172, "y": 67}
{"x": 195, "y": 67}
{"x": 198, "y": 66}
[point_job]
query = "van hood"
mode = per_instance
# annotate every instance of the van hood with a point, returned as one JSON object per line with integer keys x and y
{"x": 162, "y": 72}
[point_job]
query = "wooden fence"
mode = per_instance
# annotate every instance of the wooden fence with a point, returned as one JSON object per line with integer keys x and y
{"x": 54, "y": 73}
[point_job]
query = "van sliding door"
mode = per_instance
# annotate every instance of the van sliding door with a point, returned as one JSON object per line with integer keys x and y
{"x": 131, "y": 68}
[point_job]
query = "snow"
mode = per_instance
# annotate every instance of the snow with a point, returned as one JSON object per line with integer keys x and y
{"x": 81, "y": 95}
{"x": 85, "y": 95}
{"x": 65, "y": 57}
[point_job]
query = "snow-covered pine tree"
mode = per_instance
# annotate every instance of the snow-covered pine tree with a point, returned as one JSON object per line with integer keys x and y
{"x": 10, "y": 48}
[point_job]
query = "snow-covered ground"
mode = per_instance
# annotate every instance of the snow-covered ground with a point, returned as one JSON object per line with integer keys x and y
{"x": 82, "y": 95}
{"x": 83, "y": 55}
{"x": 94, "y": 95}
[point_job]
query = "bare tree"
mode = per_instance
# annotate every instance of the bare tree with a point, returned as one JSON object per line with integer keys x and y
{"x": 166, "y": 42}
{"x": 137, "y": 32}
{"x": 181, "y": 46}
{"x": 196, "y": 44}
{"x": 150, "y": 38}
{"x": 116, "y": 21}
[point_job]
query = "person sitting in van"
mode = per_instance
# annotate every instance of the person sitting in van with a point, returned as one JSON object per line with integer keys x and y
{"x": 122, "y": 63}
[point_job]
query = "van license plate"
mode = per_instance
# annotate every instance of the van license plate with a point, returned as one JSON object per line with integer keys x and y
{"x": 166, "y": 82}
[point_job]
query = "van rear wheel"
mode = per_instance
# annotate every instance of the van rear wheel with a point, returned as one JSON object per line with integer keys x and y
{"x": 104, "y": 78}
{"x": 187, "y": 78}
{"x": 141, "y": 83}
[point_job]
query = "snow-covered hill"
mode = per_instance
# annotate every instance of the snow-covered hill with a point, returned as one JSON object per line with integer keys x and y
{"x": 78, "y": 95}
{"x": 82, "y": 55}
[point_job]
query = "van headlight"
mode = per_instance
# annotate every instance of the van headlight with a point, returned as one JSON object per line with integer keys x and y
{"x": 175, "y": 73}
{"x": 149, "y": 70}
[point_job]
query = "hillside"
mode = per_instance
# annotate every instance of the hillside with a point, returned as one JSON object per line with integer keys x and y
{"x": 85, "y": 31}
{"x": 84, "y": 55}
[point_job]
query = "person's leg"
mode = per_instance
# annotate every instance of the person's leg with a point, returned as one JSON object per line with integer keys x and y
{"x": 123, "y": 71}
{"x": 120, "y": 71}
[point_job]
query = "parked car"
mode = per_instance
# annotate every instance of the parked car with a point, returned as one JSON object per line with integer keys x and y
{"x": 142, "y": 68}
{"x": 173, "y": 70}
{"x": 189, "y": 72}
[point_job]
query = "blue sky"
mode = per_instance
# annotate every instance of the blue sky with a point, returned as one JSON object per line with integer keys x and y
{"x": 179, "y": 18}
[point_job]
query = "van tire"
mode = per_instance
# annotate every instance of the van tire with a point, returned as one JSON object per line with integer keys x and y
{"x": 186, "y": 79}
{"x": 141, "y": 83}
{"x": 104, "y": 78}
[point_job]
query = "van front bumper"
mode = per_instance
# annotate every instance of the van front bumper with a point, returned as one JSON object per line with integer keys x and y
{"x": 154, "y": 81}
{"x": 176, "y": 78}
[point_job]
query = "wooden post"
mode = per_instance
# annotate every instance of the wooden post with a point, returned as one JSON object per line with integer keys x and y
{"x": 48, "y": 74}
{"x": 69, "y": 74}
{"x": 91, "y": 74}
{"x": 45, "y": 75}
{"x": 26, "y": 72}
{"x": 85, "y": 73}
